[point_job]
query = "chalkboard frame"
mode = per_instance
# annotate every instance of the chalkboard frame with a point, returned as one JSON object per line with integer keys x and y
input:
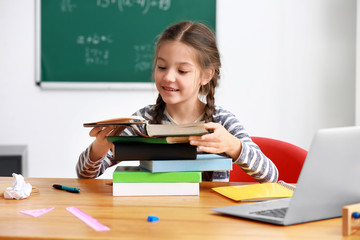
{"x": 122, "y": 85}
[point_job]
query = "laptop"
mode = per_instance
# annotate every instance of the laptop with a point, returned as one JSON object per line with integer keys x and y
{"x": 329, "y": 179}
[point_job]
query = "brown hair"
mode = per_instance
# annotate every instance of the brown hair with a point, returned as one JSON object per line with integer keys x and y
{"x": 201, "y": 38}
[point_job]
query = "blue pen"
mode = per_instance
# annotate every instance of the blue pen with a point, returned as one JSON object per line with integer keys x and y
{"x": 69, "y": 189}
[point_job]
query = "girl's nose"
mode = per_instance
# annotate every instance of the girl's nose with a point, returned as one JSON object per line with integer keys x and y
{"x": 169, "y": 76}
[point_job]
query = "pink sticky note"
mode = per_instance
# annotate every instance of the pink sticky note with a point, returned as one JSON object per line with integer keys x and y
{"x": 36, "y": 212}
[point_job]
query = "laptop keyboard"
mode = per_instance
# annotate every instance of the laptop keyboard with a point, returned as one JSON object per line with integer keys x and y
{"x": 278, "y": 212}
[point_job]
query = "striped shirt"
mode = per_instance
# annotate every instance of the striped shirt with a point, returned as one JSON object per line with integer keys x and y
{"x": 251, "y": 159}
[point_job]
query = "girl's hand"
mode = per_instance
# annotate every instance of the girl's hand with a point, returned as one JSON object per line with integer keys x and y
{"x": 219, "y": 141}
{"x": 101, "y": 146}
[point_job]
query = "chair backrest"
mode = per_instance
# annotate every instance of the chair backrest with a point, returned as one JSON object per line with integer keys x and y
{"x": 287, "y": 157}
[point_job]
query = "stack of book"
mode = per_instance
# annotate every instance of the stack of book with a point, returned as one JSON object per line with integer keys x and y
{"x": 169, "y": 165}
{"x": 166, "y": 177}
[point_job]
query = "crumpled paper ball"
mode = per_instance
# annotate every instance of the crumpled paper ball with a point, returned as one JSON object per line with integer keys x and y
{"x": 19, "y": 190}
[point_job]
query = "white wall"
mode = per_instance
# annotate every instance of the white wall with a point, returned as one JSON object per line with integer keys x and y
{"x": 289, "y": 65}
{"x": 357, "y": 95}
{"x": 288, "y": 69}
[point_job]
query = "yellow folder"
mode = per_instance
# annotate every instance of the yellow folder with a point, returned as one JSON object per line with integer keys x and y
{"x": 255, "y": 192}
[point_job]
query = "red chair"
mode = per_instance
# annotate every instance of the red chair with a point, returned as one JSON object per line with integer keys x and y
{"x": 287, "y": 157}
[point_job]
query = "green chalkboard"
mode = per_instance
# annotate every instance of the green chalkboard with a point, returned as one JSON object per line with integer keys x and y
{"x": 108, "y": 41}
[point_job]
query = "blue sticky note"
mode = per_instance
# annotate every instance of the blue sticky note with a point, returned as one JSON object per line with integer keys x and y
{"x": 152, "y": 218}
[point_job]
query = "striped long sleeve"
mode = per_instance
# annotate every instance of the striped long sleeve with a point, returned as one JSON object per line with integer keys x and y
{"x": 251, "y": 159}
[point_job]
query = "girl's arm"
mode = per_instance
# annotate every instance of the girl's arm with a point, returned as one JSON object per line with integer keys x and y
{"x": 98, "y": 156}
{"x": 86, "y": 168}
{"x": 230, "y": 137}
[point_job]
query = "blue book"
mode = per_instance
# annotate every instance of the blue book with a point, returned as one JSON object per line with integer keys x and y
{"x": 203, "y": 162}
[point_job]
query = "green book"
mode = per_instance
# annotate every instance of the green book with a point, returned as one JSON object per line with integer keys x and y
{"x": 135, "y": 174}
{"x": 139, "y": 139}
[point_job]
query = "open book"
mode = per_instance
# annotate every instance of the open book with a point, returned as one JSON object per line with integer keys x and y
{"x": 154, "y": 130}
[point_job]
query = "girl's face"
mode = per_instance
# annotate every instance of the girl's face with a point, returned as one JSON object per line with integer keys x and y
{"x": 177, "y": 73}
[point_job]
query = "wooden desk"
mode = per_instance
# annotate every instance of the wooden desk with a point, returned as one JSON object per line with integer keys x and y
{"x": 181, "y": 217}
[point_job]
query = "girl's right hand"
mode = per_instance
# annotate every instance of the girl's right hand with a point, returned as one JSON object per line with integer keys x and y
{"x": 101, "y": 146}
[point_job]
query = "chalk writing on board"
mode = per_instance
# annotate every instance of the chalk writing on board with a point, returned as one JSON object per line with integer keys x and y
{"x": 95, "y": 51}
{"x": 144, "y": 5}
{"x": 67, "y": 6}
{"x": 96, "y": 56}
{"x": 143, "y": 57}
{"x": 94, "y": 39}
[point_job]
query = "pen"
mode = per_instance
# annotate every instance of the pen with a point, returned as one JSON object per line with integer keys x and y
{"x": 69, "y": 189}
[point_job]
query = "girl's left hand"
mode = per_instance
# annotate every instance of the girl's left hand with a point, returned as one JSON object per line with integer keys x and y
{"x": 219, "y": 141}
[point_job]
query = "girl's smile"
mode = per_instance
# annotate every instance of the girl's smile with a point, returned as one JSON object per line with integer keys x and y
{"x": 169, "y": 89}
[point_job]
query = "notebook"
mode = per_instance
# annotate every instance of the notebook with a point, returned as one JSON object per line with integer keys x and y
{"x": 256, "y": 192}
{"x": 329, "y": 180}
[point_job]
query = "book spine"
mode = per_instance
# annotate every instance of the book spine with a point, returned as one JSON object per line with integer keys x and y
{"x": 136, "y": 139}
{"x": 189, "y": 165}
{"x": 155, "y": 189}
{"x": 127, "y": 139}
{"x": 150, "y": 151}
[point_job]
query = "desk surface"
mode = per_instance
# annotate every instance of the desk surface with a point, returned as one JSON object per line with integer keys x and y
{"x": 181, "y": 217}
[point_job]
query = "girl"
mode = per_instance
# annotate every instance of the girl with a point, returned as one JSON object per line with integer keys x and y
{"x": 186, "y": 67}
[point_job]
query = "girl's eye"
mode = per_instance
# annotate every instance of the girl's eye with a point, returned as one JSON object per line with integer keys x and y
{"x": 161, "y": 68}
{"x": 183, "y": 72}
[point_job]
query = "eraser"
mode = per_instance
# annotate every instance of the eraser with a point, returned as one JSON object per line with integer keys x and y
{"x": 152, "y": 218}
{"x": 356, "y": 215}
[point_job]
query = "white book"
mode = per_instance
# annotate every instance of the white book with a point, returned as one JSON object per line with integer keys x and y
{"x": 155, "y": 189}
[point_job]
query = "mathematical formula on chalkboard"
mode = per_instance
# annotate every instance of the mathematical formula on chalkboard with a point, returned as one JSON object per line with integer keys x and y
{"x": 143, "y": 5}
{"x": 93, "y": 54}
{"x": 107, "y": 41}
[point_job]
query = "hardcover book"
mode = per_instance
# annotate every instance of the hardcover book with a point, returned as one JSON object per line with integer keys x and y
{"x": 137, "y": 139}
{"x": 134, "y": 174}
{"x": 127, "y": 151}
{"x": 203, "y": 162}
{"x": 154, "y": 130}
{"x": 155, "y": 189}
